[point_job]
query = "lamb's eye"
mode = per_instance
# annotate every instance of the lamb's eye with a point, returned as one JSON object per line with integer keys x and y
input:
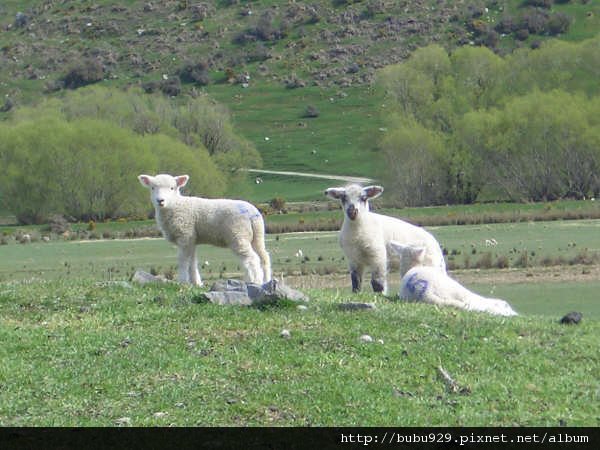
{"x": 172, "y": 188}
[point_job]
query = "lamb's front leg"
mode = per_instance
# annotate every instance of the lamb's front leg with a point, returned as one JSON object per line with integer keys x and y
{"x": 356, "y": 274}
{"x": 185, "y": 256}
{"x": 379, "y": 272}
{"x": 379, "y": 280}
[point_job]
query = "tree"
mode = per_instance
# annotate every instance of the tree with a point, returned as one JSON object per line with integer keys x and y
{"x": 540, "y": 146}
{"x": 87, "y": 168}
{"x": 417, "y": 163}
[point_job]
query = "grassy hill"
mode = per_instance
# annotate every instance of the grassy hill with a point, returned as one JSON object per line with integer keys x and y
{"x": 106, "y": 354}
{"x": 268, "y": 61}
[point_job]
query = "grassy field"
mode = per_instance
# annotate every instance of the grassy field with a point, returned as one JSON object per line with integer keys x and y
{"x": 83, "y": 346}
{"x": 549, "y": 245}
{"x": 101, "y": 354}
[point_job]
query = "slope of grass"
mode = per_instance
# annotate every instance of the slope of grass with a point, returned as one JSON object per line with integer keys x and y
{"x": 339, "y": 141}
{"x": 549, "y": 246}
{"x": 101, "y": 354}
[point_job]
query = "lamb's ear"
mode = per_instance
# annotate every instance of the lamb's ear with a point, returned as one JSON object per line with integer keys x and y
{"x": 146, "y": 180}
{"x": 372, "y": 191}
{"x": 335, "y": 193}
{"x": 182, "y": 180}
{"x": 418, "y": 254}
{"x": 398, "y": 248}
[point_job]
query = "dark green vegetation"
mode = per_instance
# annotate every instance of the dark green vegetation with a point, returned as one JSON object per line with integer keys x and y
{"x": 83, "y": 346}
{"x": 524, "y": 127}
{"x": 332, "y": 48}
{"x": 102, "y": 354}
{"x": 79, "y": 155}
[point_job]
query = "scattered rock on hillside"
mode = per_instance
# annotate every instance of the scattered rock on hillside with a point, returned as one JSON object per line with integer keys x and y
{"x": 572, "y": 318}
{"x": 356, "y": 306}
{"x": 142, "y": 277}
{"x": 236, "y": 292}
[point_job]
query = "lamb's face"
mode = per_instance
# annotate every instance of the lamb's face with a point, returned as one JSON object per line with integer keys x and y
{"x": 164, "y": 188}
{"x": 408, "y": 255}
{"x": 354, "y": 198}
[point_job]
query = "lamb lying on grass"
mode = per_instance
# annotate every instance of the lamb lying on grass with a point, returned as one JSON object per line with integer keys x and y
{"x": 188, "y": 221}
{"x": 365, "y": 237}
{"x": 431, "y": 285}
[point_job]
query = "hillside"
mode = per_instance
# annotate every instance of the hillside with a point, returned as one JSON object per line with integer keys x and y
{"x": 288, "y": 71}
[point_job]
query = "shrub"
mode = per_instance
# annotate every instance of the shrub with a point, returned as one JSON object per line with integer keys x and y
{"x": 523, "y": 259}
{"x": 311, "y": 112}
{"x": 277, "y": 203}
{"x": 58, "y": 224}
{"x": 195, "y": 73}
{"x": 171, "y": 86}
{"x": 506, "y": 25}
{"x": 502, "y": 262}
{"x": 293, "y": 82}
{"x": 485, "y": 261}
{"x": 539, "y": 3}
{"x": 87, "y": 72}
{"x": 490, "y": 39}
{"x": 478, "y": 27}
{"x": 535, "y": 21}
{"x": 522, "y": 34}
{"x": 558, "y": 23}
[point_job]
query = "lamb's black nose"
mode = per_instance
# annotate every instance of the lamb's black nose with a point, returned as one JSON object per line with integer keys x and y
{"x": 352, "y": 212}
{"x": 160, "y": 202}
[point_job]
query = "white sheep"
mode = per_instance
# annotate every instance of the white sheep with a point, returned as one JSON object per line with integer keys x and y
{"x": 365, "y": 237}
{"x": 188, "y": 221}
{"x": 431, "y": 285}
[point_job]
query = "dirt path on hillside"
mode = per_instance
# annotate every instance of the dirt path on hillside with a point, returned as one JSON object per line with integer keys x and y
{"x": 535, "y": 275}
{"x": 347, "y": 179}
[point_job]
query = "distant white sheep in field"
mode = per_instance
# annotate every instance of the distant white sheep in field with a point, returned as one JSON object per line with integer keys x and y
{"x": 491, "y": 242}
{"x": 431, "y": 285}
{"x": 188, "y": 221}
{"x": 365, "y": 237}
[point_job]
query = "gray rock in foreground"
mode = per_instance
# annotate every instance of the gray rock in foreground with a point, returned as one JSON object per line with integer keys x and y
{"x": 356, "y": 306}
{"x": 573, "y": 318}
{"x": 142, "y": 277}
{"x": 236, "y": 292}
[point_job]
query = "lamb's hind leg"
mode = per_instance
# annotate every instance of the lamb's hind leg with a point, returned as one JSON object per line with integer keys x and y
{"x": 250, "y": 261}
{"x": 194, "y": 274}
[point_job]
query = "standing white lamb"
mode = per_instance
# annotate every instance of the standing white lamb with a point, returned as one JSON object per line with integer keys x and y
{"x": 428, "y": 284}
{"x": 188, "y": 221}
{"x": 365, "y": 237}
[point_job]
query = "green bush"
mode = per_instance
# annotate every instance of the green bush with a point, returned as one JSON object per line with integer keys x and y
{"x": 86, "y": 72}
{"x": 523, "y": 126}
{"x": 87, "y": 168}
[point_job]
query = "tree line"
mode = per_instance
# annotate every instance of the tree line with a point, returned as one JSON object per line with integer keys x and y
{"x": 79, "y": 155}
{"x": 472, "y": 125}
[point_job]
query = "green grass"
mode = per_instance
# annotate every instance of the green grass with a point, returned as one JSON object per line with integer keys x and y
{"x": 552, "y": 299}
{"x": 339, "y": 141}
{"x": 109, "y": 260}
{"x": 83, "y": 346}
{"x": 88, "y": 353}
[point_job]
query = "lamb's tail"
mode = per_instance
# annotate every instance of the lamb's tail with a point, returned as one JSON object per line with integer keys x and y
{"x": 258, "y": 244}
